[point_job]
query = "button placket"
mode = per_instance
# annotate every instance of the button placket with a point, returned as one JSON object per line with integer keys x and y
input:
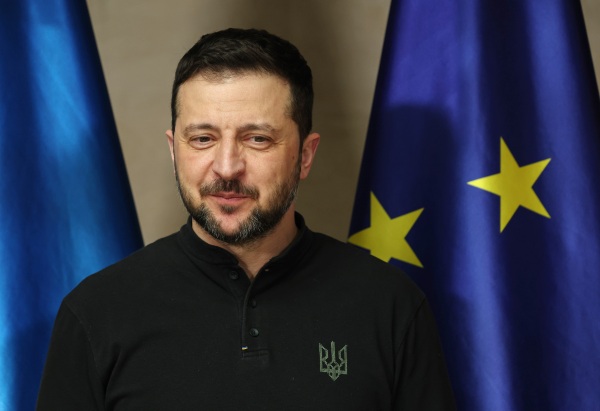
{"x": 253, "y": 331}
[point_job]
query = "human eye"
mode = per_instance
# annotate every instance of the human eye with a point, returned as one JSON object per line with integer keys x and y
{"x": 201, "y": 141}
{"x": 259, "y": 141}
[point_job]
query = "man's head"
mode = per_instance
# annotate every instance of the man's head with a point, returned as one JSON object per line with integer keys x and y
{"x": 237, "y": 51}
{"x": 241, "y": 139}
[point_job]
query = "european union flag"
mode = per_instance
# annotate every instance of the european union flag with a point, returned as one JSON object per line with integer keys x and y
{"x": 66, "y": 205}
{"x": 480, "y": 179}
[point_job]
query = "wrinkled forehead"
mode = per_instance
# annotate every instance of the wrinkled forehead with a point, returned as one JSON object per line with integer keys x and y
{"x": 247, "y": 98}
{"x": 226, "y": 75}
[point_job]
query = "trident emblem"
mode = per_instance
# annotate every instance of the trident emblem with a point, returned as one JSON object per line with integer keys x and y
{"x": 332, "y": 364}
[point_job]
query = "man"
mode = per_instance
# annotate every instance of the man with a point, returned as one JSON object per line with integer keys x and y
{"x": 244, "y": 308}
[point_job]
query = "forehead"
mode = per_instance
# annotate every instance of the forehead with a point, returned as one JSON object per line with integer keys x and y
{"x": 234, "y": 93}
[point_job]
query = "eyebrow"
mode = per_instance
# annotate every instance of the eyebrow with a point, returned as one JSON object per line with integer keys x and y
{"x": 257, "y": 126}
{"x": 198, "y": 126}
{"x": 246, "y": 127}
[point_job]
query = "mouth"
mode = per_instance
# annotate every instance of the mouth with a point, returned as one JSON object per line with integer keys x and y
{"x": 229, "y": 198}
{"x": 230, "y": 195}
{"x": 227, "y": 189}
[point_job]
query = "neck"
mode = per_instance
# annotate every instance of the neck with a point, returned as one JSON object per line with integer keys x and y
{"x": 254, "y": 255}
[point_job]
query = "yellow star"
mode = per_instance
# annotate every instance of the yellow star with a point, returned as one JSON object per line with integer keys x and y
{"x": 514, "y": 185}
{"x": 386, "y": 238}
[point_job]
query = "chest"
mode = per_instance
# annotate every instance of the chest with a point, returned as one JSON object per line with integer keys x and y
{"x": 297, "y": 346}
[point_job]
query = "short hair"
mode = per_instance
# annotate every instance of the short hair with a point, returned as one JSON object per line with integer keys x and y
{"x": 239, "y": 51}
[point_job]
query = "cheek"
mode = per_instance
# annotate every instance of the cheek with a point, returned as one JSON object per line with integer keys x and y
{"x": 277, "y": 170}
{"x": 190, "y": 169}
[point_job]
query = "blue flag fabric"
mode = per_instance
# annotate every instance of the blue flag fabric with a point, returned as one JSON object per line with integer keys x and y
{"x": 480, "y": 179}
{"x": 66, "y": 204}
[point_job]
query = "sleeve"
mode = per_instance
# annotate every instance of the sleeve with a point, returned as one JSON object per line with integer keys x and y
{"x": 70, "y": 381}
{"x": 421, "y": 377}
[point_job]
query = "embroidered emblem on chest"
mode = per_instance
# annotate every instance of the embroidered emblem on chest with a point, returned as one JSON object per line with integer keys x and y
{"x": 333, "y": 363}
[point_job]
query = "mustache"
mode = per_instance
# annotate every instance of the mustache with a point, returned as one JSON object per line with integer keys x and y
{"x": 228, "y": 186}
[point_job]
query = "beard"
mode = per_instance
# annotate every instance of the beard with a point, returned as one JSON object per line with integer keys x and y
{"x": 260, "y": 222}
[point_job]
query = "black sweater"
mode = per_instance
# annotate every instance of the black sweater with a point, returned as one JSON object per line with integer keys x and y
{"x": 179, "y": 326}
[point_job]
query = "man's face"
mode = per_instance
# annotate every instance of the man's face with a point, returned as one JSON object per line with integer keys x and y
{"x": 237, "y": 156}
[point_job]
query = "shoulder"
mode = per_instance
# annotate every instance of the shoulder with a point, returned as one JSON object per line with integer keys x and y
{"x": 354, "y": 266}
{"x": 143, "y": 267}
{"x": 351, "y": 258}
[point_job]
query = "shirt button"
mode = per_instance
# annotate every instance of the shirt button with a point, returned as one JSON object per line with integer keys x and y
{"x": 254, "y": 332}
{"x": 234, "y": 275}
{"x": 253, "y": 303}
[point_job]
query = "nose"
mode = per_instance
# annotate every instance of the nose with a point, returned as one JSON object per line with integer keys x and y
{"x": 228, "y": 162}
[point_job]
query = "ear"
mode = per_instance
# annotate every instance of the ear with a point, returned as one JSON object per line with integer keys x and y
{"x": 309, "y": 150}
{"x": 170, "y": 140}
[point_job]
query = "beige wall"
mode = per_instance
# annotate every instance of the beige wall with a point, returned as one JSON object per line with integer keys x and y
{"x": 141, "y": 41}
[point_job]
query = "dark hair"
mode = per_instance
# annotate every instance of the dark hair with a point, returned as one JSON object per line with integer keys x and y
{"x": 237, "y": 51}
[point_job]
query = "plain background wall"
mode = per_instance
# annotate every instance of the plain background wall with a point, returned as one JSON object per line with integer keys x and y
{"x": 141, "y": 41}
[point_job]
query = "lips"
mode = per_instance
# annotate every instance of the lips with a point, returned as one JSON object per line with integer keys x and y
{"x": 229, "y": 199}
{"x": 231, "y": 189}
{"x": 230, "y": 196}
